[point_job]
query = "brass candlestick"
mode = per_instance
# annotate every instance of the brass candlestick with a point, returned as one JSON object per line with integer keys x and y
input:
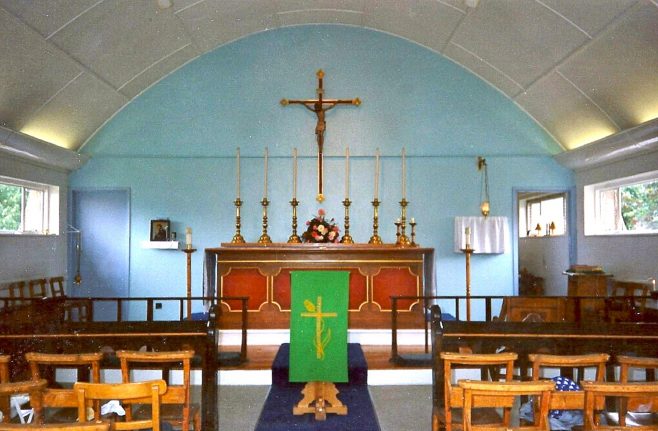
{"x": 375, "y": 238}
{"x": 188, "y": 252}
{"x": 294, "y": 238}
{"x": 264, "y": 238}
{"x": 237, "y": 238}
{"x": 412, "y": 223}
{"x": 467, "y": 252}
{"x": 347, "y": 238}
{"x": 403, "y": 239}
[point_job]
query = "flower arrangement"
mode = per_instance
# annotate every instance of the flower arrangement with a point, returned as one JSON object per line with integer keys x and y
{"x": 320, "y": 230}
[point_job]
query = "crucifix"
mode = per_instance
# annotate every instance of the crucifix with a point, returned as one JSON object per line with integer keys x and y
{"x": 319, "y": 106}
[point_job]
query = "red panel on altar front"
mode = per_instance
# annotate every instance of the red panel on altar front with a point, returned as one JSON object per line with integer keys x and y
{"x": 281, "y": 289}
{"x": 394, "y": 282}
{"x": 245, "y": 282}
{"x": 358, "y": 288}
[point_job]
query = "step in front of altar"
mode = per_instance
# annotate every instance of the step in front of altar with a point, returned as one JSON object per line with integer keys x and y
{"x": 357, "y": 367}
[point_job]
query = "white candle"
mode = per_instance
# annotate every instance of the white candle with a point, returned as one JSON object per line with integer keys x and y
{"x": 188, "y": 236}
{"x": 377, "y": 174}
{"x": 238, "y": 174}
{"x": 294, "y": 173}
{"x": 404, "y": 174}
{"x": 413, "y": 220}
{"x": 467, "y": 233}
{"x": 266, "y": 156}
{"x": 347, "y": 173}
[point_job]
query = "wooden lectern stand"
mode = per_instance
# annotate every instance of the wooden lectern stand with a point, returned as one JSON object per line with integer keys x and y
{"x": 316, "y": 397}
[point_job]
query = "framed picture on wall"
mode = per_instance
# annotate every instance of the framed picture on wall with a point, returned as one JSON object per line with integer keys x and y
{"x": 160, "y": 230}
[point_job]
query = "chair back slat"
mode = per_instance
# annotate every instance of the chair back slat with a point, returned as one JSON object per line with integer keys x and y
{"x": 453, "y": 393}
{"x": 479, "y": 394}
{"x": 91, "y": 394}
{"x": 77, "y": 426}
{"x": 596, "y": 394}
{"x": 44, "y": 364}
{"x": 177, "y": 408}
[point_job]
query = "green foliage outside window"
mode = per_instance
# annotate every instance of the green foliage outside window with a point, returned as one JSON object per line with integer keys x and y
{"x": 10, "y": 207}
{"x": 639, "y": 208}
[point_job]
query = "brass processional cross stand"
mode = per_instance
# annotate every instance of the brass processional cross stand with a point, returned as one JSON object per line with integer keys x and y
{"x": 319, "y": 106}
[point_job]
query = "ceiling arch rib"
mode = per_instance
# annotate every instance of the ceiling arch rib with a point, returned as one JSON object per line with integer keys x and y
{"x": 582, "y": 70}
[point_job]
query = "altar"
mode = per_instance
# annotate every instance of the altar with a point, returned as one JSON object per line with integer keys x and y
{"x": 262, "y": 272}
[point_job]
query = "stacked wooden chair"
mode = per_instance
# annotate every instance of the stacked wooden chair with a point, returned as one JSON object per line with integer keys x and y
{"x": 177, "y": 408}
{"x": 60, "y": 404}
{"x": 451, "y": 417}
{"x": 92, "y": 395}
{"x": 597, "y": 393}
{"x": 491, "y": 394}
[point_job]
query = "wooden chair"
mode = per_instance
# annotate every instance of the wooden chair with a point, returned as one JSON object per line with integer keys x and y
{"x": 176, "y": 407}
{"x": 34, "y": 388}
{"x": 57, "y": 287}
{"x": 454, "y": 395}
{"x": 569, "y": 400}
{"x": 596, "y": 394}
{"x": 91, "y": 394}
{"x": 4, "y": 368}
{"x": 42, "y": 365}
{"x": 4, "y": 378}
{"x": 37, "y": 288}
{"x": 626, "y": 365}
{"x": 479, "y": 394}
{"x": 76, "y": 426}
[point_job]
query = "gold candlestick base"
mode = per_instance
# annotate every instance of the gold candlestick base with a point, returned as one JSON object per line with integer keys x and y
{"x": 264, "y": 238}
{"x": 403, "y": 239}
{"x": 237, "y": 238}
{"x": 347, "y": 238}
{"x": 294, "y": 238}
{"x": 375, "y": 238}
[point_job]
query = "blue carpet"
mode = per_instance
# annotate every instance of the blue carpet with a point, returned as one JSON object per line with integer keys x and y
{"x": 277, "y": 410}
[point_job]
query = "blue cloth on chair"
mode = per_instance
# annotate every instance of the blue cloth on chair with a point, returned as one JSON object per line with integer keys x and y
{"x": 558, "y": 419}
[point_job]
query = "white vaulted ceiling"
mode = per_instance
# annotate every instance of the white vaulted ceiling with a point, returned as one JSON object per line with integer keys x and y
{"x": 583, "y": 69}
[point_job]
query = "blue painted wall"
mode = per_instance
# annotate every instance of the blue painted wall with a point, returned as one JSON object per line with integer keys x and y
{"x": 174, "y": 147}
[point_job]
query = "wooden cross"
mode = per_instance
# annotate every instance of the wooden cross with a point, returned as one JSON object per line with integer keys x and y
{"x": 319, "y": 106}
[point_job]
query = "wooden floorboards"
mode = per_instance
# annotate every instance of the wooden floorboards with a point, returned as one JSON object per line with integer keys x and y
{"x": 378, "y": 357}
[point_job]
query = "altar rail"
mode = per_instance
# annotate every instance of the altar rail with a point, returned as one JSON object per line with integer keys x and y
{"x": 562, "y": 338}
{"x": 516, "y": 308}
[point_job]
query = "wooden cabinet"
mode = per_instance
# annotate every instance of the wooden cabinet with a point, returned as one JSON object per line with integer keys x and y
{"x": 589, "y": 284}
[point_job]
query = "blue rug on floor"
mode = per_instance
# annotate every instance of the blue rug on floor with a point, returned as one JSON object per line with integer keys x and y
{"x": 277, "y": 410}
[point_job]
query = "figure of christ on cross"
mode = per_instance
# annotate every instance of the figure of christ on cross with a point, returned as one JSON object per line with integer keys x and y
{"x": 315, "y": 311}
{"x": 319, "y": 106}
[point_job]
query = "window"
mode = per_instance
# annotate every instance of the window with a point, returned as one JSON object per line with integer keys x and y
{"x": 542, "y": 214}
{"x": 27, "y": 207}
{"x": 624, "y": 206}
